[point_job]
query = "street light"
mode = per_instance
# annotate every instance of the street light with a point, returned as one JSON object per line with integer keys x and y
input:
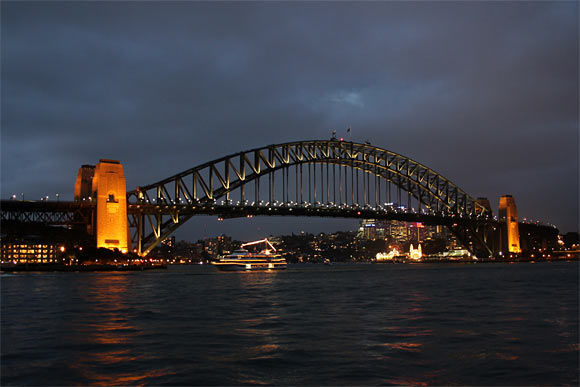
{"x": 57, "y": 195}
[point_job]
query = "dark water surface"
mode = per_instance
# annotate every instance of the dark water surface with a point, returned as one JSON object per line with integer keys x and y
{"x": 487, "y": 324}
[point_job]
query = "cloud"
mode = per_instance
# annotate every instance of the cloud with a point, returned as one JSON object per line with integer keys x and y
{"x": 482, "y": 92}
{"x": 343, "y": 97}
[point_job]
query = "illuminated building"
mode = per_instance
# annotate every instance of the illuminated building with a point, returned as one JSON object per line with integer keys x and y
{"x": 371, "y": 229}
{"x": 110, "y": 191}
{"x": 510, "y": 232}
{"x": 210, "y": 247}
{"x": 415, "y": 254}
{"x": 224, "y": 244}
{"x": 30, "y": 251}
{"x": 398, "y": 231}
{"x": 391, "y": 255}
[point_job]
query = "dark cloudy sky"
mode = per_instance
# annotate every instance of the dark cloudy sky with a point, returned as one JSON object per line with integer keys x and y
{"x": 484, "y": 93}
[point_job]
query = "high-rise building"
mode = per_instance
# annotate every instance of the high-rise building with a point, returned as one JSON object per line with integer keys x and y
{"x": 510, "y": 235}
{"x": 398, "y": 231}
{"x": 372, "y": 229}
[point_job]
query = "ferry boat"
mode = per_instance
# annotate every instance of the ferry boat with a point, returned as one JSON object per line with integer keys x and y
{"x": 242, "y": 259}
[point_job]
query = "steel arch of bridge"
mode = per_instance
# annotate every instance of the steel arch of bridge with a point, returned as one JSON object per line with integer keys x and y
{"x": 163, "y": 206}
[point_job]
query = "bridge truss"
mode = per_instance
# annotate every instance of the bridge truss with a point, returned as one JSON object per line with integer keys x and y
{"x": 47, "y": 213}
{"x": 306, "y": 178}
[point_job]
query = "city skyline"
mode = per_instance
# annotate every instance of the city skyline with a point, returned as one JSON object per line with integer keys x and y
{"x": 485, "y": 94}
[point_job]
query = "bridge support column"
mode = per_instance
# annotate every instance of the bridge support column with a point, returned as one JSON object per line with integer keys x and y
{"x": 109, "y": 189}
{"x": 510, "y": 234}
{"x": 140, "y": 227}
{"x": 473, "y": 237}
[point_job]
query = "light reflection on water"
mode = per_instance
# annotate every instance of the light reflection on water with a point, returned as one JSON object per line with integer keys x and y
{"x": 107, "y": 332}
{"x": 309, "y": 325}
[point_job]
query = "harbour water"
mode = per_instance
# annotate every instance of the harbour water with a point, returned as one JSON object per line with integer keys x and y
{"x": 436, "y": 324}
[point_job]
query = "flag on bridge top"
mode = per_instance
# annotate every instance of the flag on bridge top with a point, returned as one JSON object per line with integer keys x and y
{"x": 348, "y": 130}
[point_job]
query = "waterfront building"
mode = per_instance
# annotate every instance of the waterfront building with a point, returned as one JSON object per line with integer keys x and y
{"x": 415, "y": 254}
{"x": 224, "y": 244}
{"x": 32, "y": 250}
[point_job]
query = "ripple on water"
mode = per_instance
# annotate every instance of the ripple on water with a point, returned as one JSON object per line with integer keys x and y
{"x": 357, "y": 325}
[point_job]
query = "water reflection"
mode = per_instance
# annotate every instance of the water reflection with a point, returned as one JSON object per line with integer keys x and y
{"x": 404, "y": 346}
{"x": 108, "y": 335}
{"x": 260, "y": 306}
{"x": 312, "y": 327}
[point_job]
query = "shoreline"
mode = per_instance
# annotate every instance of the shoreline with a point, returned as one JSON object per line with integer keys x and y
{"x": 24, "y": 267}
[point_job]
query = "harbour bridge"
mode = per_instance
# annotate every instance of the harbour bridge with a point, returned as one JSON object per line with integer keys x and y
{"x": 323, "y": 178}
{"x": 330, "y": 178}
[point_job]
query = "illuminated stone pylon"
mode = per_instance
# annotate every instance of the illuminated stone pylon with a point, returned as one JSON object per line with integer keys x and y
{"x": 110, "y": 192}
{"x": 510, "y": 232}
{"x": 84, "y": 183}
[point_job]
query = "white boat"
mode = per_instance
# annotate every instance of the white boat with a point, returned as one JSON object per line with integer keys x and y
{"x": 242, "y": 259}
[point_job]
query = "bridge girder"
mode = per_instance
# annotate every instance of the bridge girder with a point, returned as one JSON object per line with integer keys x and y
{"x": 47, "y": 213}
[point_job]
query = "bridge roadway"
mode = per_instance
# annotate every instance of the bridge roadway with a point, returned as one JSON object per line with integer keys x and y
{"x": 81, "y": 214}
{"x": 231, "y": 210}
{"x": 69, "y": 212}
{"x": 72, "y": 213}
